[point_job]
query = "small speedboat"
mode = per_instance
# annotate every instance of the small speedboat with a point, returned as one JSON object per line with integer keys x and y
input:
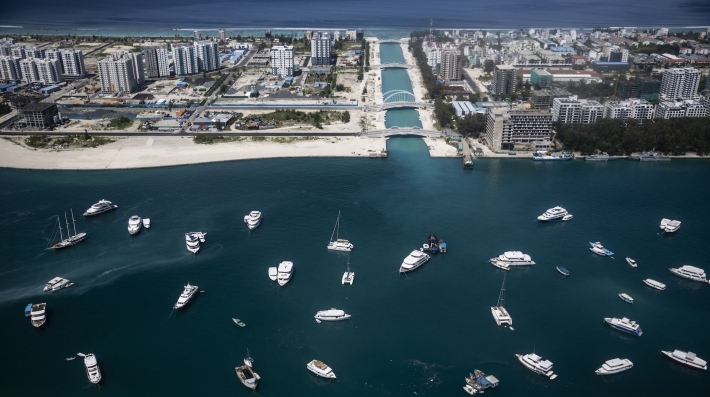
{"x": 563, "y": 271}
{"x": 631, "y": 262}
{"x": 654, "y": 284}
{"x": 626, "y": 298}
{"x": 146, "y": 223}
{"x": 332, "y": 315}
{"x": 319, "y": 368}
{"x": 38, "y": 314}
{"x": 273, "y": 273}
{"x": 501, "y": 265}
{"x": 567, "y": 217}
{"x": 239, "y": 322}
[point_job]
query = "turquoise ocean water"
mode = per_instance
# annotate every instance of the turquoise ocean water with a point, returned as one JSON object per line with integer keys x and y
{"x": 420, "y": 333}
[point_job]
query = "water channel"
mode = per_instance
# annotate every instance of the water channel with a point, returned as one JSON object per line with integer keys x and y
{"x": 397, "y": 79}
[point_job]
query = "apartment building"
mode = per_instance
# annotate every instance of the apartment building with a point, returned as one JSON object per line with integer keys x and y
{"x": 320, "y": 49}
{"x": 507, "y": 128}
{"x": 638, "y": 109}
{"x": 118, "y": 73}
{"x": 505, "y": 80}
{"x": 49, "y": 71}
{"x": 156, "y": 62}
{"x": 686, "y": 108}
{"x": 282, "y": 61}
{"x": 207, "y": 54}
{"x": 576, "y": 111}
{"x": 184, "y": 60}
{"x": 680, "y": 83}
{"x": 10, "y": 68}
{"x": 73, "y": 63}
{"x": 450, "y": 65}
{"x": 28, "y": 69}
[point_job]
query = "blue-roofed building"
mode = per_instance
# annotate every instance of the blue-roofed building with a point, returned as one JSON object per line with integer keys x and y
{"x": 562, "y": 50}
{"x": 610, "y": 66}
{"x": 48, "y": 90}
{"x": 4, "y": 87}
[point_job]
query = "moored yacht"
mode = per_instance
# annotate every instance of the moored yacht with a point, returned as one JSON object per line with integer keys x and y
{"x": 348, "y": 277}
{"x": 246, "y": 374}
{"x": 625, "y": 325}
{"x": 319, "y": 368}
{"x": 331, "y": 315}
{"x": 285, "y": 272}
{"x": 669, "y": 226}
{"x": 146, "y": 223}
{"x": 74, "y": 239}
{"x": 193, "y": 239}
{"x": 514, "y": 258}
{"x": 536, "y": 364}
{"x": 499, "y": 313}
{"x": 690, "y": 272}
{"x": 631, "y": 262}
{"x": 273, "y": 273}
{"x": 654, "y": 284}
{"x": 599, "y": 249}
{"x": 100, "y": 207}
{"x": 253, "y": 220}
{"x": 478, "y": 381}
{"x": 614, "y": 366}
{"x": 626, "y": 298}
{"x": 652, "y": 156}
{"x": 597, "y": 157}
{"x": 92, "y": 368}
{"x": 413, "y": 261}
{"x": 38, "y": 314}
{"x": 339, "y": 244}
{"x": 187, "y": 294}
{"x": 134, "y": 225}
{"x": 686, "y": 358}
{"x": 56, "y": 284}
{"x": 553, "y": 214}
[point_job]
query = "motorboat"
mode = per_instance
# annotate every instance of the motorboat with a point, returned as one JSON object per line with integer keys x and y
{"x": 543, "y": 155}
{"x": 597, "y": 157}
{"x": 625, "y": 325}
{"x": 433, "y": 244}
{"x": 654, "y": 284}
{"x": 614, "y": 366}
{"x": 514, "y": 258}
{"x": 686, "y": 358}
{"x": 552, "y": 214}
{"x": 72, "y": 239}
{"x": 239, "y": 322}
{"x": 134, "y": 225}
{"x": 253, "y": 220}
{"x": 669, "y": 226}
{"x": 146, "y": 223}
{"x": 273, "y": 273}
{"x": 631, "y": 262}
{"x": 501, "y": 265}
{"x": 563, "y": 271}
{"x": 100, "y": 207}
{"x": 499, "y": 313}
{"x": 246, "y": 374}
{"x": 38, "y": 314}
{"x": 331, "y": 315}
{"x": 413, "y": 261}
{"x": 567, "y": 217}
{"x": 652, "y": 156}
{"x": 193, "y": 240}
{"x": 626, "y": 298}
{"x": 348, "y": 277}
{"x": 319, "y": 368}
{"x": 92, "y": 368}
{"x": 536, "y": 364}
{"x": 442, "y": 246}
{"x": 599, "y": 249}
{"x": 339, "y": 244}
{"x": 56, "y": 284}
{"x": 285, "y": 272}
{"x": 187, "y": 294}
{"x": 28, "y": 310}
{"x": 477, "y": 382}
{"x": 690, "y": 272}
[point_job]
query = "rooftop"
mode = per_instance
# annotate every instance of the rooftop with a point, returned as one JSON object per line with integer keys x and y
{"x": 37, "y": 107}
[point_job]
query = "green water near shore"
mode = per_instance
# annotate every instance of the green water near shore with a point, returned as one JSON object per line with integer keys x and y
{"x": 397, "y": 79}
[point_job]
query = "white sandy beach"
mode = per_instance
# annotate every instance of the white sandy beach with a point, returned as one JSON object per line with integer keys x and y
{"x": 439, "y": 148}
{"x": 144, "y": 152}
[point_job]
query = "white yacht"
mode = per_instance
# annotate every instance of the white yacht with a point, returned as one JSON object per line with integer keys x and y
{"x": 193, "y": 239}
{"x": 38, "y": 314}
{"x": 253, "y": 220}
{"x": 536, "y": 364}
{"x": 56, "y": 284}
{"x": 348, "y": 277}
{"x": 614, "y": 366}
{"x": 514, "y": 258}
{"x": 285, "y": 272}
{"x": 332, "y": 315}
{"x": 625, "y": 325}
{"x": 74, "y": 239}
{"x": 413, "y": 261}
{"x": 669, "y": 226}
{"x": 626, "y": 298}
{"x": 690, "y": 272}
{"x": 273, "y": 273}
{"x": 499, "y": 313}
{"x": 500, "y": 265}
{"x": 339, "y": 244}
{"x": 186, "y": 296}
{"x": 553, "y": 214}
{"x": 92, "y": 368}
{"x": 319, "y": 368}
{"x": 134, "y": 225}
{"x": 246, "y": 374}
{"x": 686, "y": 358}
{"x": 654, "y": 284}
{"x": 100, "y": 207}
{"x": 146, "y": 223}
{"x": 631, "y": 262}
{"x": 599, "y": 249}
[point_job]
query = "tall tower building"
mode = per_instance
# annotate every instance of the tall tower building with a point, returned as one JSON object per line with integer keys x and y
{"x": 184, "y": 60}
{"x": 10, "y": 68}
{"x": 680, "y": 83}
{"x": 222, "y": 36}
{"x": 282, "y": 61}
{"x": 56, "y": 54}
{"x": 505, "y": 80}
{"x": 451, "y": 65}
{"x": 73, "y": 63}
{"x": 156, "y": 61}
{"x": 49, "y": 71}
{"x": 117, "y": 73}
{"x": 320, "y": 49}
{"x": 197, "y": 35}
{"x": 29, "y": 70}
{"x": 207, "y": 53}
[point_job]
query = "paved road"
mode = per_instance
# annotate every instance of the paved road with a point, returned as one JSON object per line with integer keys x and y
{"x": 472, "y": 83}
{"x": 209, "y": 100}
{"x": 246, "y": 58}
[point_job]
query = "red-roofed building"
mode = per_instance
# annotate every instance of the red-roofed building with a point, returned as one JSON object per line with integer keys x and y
{"x": 578, "y": 60}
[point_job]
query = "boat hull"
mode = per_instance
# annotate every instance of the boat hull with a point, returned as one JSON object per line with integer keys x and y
{"x": 685, "y": 363}
{"x": 687, "y": 277}
{"x": 332, "y": 319}
{"x": 534, "y": 369}
{"x": 563, "y": 271}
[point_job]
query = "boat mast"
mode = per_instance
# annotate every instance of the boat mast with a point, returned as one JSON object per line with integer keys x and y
{"x": 501, "y": 296}
{"x": 337, "y": 224}
{"x": 73, "y": 220}
{"x": 59, "y": 222}
{"x": 68, "y": 229}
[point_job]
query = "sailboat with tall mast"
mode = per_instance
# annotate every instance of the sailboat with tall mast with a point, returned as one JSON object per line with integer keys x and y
{"x": 74, "y": 239}
{"x": 348, "y": 276}
{"x": 339, "y": 244}
{"x": 499, "y": 313}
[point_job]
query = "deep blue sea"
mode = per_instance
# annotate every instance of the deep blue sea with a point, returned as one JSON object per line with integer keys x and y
{"x": 382, "y": 18}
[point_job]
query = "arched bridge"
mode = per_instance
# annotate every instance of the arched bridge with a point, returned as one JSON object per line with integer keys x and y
{"x": 389, "y": 41}
{"x": 402, "y": 131}
{"x": 391, "y": 65}
{"x": 397, "y": 99}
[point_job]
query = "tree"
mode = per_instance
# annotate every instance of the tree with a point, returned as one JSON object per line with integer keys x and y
{"x": 489, "y": 66}
{"x": 345, "y": 117}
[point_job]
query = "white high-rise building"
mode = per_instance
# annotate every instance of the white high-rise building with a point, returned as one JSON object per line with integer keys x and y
{"x": 18, "y": 51}
{"x": 184, "y": 60}
{"x": 282, "y": 61}
{"x": 49, "y": 71}
{"x": 10, "y": 68}
{"x": 680, "y": 83}
{"x": 207, "y": 54}
{"x": 576, "y": 111}
{"x": 117, "y": 73}
{"x": 156, "y": 61}
{"x": 197, "y": 35}
{"x": 433, "y": 54}
{"x": 73, "y": 63}
{"x": 686, "y": 108}
{"x": 29, "y": 71}
{"x": 320, "y": 49}
{"x": 55, "y": 54}
{"x": 35, "y": 53}
{"x": 638, "y": 109}
{"x": 138, "y": 60}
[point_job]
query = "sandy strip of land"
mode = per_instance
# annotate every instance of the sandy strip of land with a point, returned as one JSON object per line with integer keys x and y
{"x": 439, "y": 148}
{"x": 415, "y": 75}
{"x": 145, "y": 152}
